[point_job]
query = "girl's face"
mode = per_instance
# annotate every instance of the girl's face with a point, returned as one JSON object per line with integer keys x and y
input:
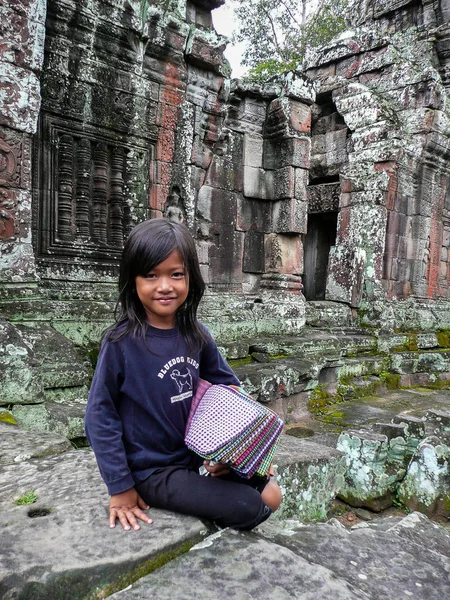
{"x": 163, "y": 290}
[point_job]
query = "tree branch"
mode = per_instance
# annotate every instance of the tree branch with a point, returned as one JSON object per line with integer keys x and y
{"x": 291, "y": 14}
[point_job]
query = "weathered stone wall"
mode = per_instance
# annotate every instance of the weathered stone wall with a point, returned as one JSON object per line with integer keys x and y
{"x": 333, "y": 184}
{"x": 21, "y": 58}
{"x": 137, "y": 121}
{"x": 388, "y": 83}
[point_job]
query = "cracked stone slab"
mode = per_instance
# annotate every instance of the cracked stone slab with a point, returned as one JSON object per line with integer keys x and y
{"x": 61, "y": 547}
{"x": 408, "y": 560}
{"x": 242, "y": 566}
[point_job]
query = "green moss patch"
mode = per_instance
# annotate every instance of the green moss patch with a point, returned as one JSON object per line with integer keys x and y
{"x": 147, "y": 567}
{"x": 240, "y": 362}
{"x": 390, "y": 380}
{"x": 443, "y": 338}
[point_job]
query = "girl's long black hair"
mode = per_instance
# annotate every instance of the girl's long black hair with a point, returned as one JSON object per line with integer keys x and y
{"x": 149, "y": 244}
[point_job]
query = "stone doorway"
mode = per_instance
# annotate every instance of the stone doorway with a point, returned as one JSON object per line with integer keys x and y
{"x": 320, "y": 238}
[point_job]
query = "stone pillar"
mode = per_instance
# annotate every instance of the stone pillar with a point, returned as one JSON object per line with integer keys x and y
{"x": 21, "y": 59}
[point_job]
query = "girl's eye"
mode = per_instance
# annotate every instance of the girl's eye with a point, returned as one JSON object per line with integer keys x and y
{"x": 178, "y": 275}
{"x": 150, "y": 276}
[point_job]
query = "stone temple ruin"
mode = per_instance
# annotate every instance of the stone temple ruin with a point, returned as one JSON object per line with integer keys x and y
{"x": 320, "y": 203}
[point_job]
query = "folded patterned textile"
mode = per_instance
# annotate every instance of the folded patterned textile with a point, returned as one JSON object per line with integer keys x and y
{"x": 227, "y": 426}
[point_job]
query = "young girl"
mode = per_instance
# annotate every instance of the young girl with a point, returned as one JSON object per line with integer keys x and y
{"x": 146, "y": 376}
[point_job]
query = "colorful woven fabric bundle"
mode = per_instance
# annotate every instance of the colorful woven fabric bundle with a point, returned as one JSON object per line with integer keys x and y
{"x": 227, "y": 426}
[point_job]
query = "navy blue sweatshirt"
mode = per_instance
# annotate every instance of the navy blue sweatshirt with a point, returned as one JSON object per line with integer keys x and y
{"x": 139, "y": 402}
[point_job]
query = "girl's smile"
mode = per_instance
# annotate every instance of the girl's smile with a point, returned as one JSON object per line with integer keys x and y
{"x": 163, "y": 290}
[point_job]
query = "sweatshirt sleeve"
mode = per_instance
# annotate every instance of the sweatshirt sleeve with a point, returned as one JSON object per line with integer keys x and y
{"x": 213, "y": 367}
{"x": 103, "y": 423}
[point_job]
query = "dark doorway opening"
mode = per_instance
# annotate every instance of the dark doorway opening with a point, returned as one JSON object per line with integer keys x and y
{"x": 321, "y": 235}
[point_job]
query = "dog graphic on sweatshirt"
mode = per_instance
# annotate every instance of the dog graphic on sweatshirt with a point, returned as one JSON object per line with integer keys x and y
{"x": 183, "y": 381}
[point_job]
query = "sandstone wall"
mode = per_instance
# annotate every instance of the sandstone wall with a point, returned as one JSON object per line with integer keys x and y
{"x": 389, "y": 82}
{"x": 333, "y": 184}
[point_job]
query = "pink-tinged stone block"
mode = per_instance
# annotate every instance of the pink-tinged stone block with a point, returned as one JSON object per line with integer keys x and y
{"x": 284, "y": 254}
{"x": 174, "y": 39}
{"x": 168, "y": 94}
{"x": 322, "y": 72}
{"x": 165, "y": 146}
{"x": 15, "y": 159}
{"x": 158, "y": 196}
{"x": 20, "y": 98}
{"x": 163, "y": 173}
{"x": 8, "y": 213}
{"x": 24, "y": 43}
{"x": 204, "y": 53}
{"x": 167, "y": 116}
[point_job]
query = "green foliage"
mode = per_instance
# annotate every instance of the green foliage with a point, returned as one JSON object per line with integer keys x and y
{"x": 29, "y": 497}
{"x": 278, "y": 33}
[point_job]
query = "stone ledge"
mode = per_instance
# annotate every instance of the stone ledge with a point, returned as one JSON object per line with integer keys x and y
{"x": 310, "y": 476}
{"x": 63, "y": 542}
{"x": 321, "y": 561}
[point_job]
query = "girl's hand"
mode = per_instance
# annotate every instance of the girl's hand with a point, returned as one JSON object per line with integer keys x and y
{"x": 218, "y": 470}
{"x": 126, "y": 507}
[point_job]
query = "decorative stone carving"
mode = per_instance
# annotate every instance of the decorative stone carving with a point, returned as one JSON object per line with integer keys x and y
{"x": 88, "y": 184}
{"x": 174, "y": 210}
{"x": 14, "y": 159}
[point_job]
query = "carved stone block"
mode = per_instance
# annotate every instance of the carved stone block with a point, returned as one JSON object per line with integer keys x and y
{"x": 15, "y": 159}
{"x": 283, "y": 183}
{"x": 8, "y": 208}
{"x": 323, "y": 197}
{"x": 290, "y": 216}
{"x": 24, "y": 44}
{"x": 284, "y": 254}
{"x": 89, "y": 189}
{"x": 17, "y": 83}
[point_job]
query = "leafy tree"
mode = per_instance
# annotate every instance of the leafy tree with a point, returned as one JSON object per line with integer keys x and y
{"x": 277, "y": 33}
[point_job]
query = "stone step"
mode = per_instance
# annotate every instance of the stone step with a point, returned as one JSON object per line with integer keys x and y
{"x": 323, "y": 313}
{"x": 337, "y": 341}
{"x": 317, "y": 343}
